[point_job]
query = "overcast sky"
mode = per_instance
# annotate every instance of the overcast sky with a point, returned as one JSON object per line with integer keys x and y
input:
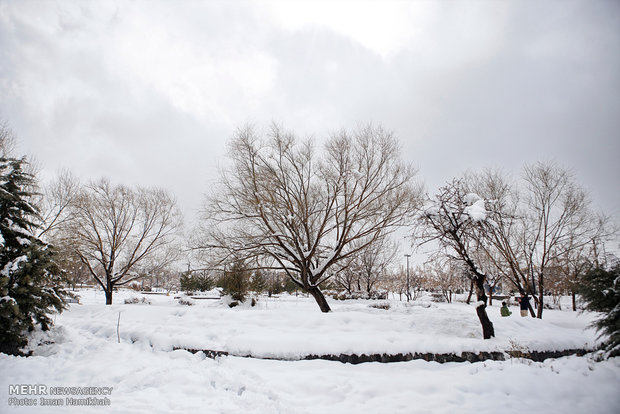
{"x": 149, "y": 92}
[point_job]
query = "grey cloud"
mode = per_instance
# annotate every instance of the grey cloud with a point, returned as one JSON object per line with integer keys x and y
{"x": 483, "y": 84}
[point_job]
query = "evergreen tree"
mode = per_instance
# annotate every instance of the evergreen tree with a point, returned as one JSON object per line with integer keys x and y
{"x": 29, "y": 279}
{"x": 186, "y": 282}
{"x": 203, "y": 282}
{"x": 196, "y": 282}
{"x": 258, "y": 282}
{"x": 600, "y": 290}
{"x": 236, "y": 281}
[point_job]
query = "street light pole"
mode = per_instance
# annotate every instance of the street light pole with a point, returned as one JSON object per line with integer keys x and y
{"x": 408, "y": 294}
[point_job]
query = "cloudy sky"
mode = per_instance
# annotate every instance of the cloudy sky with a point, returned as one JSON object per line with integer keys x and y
{"x": 149, "y": 92}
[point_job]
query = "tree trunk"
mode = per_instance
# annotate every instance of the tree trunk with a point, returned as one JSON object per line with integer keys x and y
{"x": 487, "y": 326}
{"x": 108, "y": 291}
{"x": 574, "y": 301}
{"x": 320, "y": 299}
{"x": 108, "y": 297}
{"x": 471, "y": 291}
{"x": 481, "y": 310}
{"x": 540, "y": 297}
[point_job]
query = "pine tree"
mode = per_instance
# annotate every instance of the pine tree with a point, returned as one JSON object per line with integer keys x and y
{"x": 600, "y": 290}
{"x": 258, "y": 282}
{"x": 196, "y": 282}
{"x": 29, "y": 279}
{"x": 236, "y": 281}
{"x": 187, "y": 282}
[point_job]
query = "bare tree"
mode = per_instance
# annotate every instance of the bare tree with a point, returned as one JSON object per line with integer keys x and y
{"x": 490, "y": 263}
{"x": 7, "y": 140}
{"x": 373, "y": 263}
{"x": 501, "y": 244}
{"x": 54, "y": 202}
{"x": 576, "y": 255}
{"x": 76, "y": 272}
{"x": 308, "y": 213}
{"x": 556, "y": 211}
{"x": 536, "y": 227}
{"x": 396, "y": 281}
{"x": 453, "y": 219}
{"x": 348, "y": 278}
{"x": 443, "y": 275}
{"x": 114, "y": 228}
{"x": 365, "y": 271}
{"x": 417, "y": 282}
{"x": 159, "y": 268}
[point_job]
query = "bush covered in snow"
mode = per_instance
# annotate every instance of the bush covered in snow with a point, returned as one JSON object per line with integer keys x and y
{"x": 344, "y": 295}
{"x": 384, "y": 305}
{"x": 134, "y": 300}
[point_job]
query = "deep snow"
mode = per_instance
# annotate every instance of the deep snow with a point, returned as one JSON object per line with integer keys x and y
{"x": 148, "y": 376}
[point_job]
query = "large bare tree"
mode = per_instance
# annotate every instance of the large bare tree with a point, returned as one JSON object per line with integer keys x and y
{"x": 283, "y": 203}
{"x": 348, "y": 278}
{"x": 373, "y": 263}
{"x": 500, "y": 245}
{"x": 557, "y": 211}
{"x": 114, "y": 228}
{"x": 54, "y": 201}
{"x": 453, "y": 219}
{"x": 539, "y": 226}
{"x": 365, "y": 271}
{"x": 444, "y": 275}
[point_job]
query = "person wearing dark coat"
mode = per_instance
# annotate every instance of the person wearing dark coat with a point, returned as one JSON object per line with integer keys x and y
{"x": 524, "y": 304}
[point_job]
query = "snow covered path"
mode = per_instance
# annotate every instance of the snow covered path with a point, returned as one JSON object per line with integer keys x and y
{"x": 148, "y": 381}
{"x": 291, "y": 327}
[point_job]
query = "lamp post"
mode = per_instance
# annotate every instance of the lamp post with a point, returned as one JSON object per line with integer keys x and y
{"x": 408, "y": 294}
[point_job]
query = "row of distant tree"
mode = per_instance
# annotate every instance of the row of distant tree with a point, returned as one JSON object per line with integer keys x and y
{"x": 326, "y": 218}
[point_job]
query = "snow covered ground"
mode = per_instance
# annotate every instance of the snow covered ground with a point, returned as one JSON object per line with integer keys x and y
{"x": 148, "y": 376}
